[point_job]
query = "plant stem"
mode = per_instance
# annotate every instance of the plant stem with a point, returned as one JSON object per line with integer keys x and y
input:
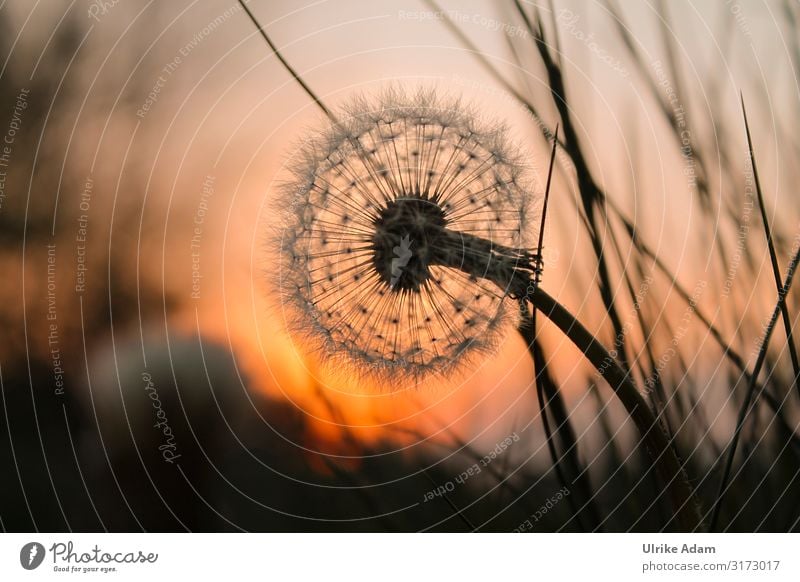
{"x": 666, "y": 462}
{"x": 286, "y": 64}
{"x": 773, "y": 256}
{"x": 751, "y": 388}
{"x": 550, "y": 402}
{"x": 514, "y": 272}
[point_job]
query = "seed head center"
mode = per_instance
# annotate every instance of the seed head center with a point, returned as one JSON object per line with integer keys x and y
{"x": 405, "y": 241}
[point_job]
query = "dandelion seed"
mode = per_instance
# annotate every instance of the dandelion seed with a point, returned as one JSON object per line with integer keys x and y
{"x": 405, "y": 224}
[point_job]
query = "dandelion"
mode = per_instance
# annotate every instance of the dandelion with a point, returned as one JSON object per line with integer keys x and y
{"x": 406, "y": 225}
{"x": 406, "y": 250}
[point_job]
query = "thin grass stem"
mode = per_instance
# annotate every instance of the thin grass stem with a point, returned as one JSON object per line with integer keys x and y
{"x": 773, "y": 256}
{"x": 751, "y": 392}
{"x": 287, "y": 66}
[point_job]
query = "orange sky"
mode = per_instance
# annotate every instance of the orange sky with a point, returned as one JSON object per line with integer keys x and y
{"x": 229, "y": 110}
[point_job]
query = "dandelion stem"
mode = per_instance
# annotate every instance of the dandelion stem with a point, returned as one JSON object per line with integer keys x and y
{"x": 516, "y": 276}
{"x": 659, "y": 446}
{"x": 514, "y": 272}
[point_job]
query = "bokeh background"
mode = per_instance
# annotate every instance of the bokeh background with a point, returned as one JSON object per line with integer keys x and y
{"x": 143, "y": 144}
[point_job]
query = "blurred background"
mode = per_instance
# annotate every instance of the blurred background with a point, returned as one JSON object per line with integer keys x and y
{"x": 147, "y": 379}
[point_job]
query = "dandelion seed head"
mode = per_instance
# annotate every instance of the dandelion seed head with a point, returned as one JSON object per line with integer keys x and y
{"x": 390, "y": 218}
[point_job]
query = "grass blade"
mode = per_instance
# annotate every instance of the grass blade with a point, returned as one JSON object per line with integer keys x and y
{"x": 286, "y": 65}
{"x": 773, "y": 257}
{"x": 751, "y": 389}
